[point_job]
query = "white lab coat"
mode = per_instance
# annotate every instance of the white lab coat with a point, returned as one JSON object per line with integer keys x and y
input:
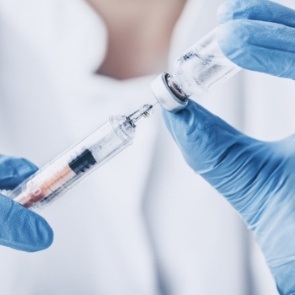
{"x": 144, "y": 223}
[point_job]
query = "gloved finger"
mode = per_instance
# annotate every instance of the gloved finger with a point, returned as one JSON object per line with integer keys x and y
{"x": 201, "y": 136}
{"x": 14, "y": 170}
{"x": 262, "y": 10}
{"x": 259, "y": 46}
{"x": 22, "y": 229}
{"x": 226, "y": 158}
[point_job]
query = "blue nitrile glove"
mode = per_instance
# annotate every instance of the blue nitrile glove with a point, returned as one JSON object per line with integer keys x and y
{"x": 257, "y": 178}
{"x": 258, "y": 35}
{"x": 20, "y": 228}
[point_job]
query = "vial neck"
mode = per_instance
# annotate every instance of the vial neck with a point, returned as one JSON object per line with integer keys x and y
{"x": 175, "y": 88}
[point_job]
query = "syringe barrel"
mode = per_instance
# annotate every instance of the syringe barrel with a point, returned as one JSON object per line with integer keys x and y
{"x": 69, "y": 168}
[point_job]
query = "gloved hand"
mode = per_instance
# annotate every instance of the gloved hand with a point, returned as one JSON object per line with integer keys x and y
{"x": 258, "y": 35}
{"x": 20, "y": 228}
{"x": 257, "y": 178}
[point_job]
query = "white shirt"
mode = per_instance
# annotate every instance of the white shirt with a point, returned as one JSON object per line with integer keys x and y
{"x": 144, "y": 223}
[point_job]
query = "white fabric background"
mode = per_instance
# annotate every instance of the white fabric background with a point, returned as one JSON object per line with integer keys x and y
{"x": 144, "y": 223}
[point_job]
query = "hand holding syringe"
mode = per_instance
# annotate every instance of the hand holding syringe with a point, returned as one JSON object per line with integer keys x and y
{"x": 68, "y": 169}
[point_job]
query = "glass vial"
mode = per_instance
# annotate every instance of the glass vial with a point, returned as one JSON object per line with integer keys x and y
{"x": 202, "y": 67}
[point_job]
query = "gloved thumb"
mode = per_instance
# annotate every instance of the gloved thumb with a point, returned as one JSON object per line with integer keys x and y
{"x": 203, "y": 138}
{"x": 226, "y": 158}
{"x": 21, "y": 228}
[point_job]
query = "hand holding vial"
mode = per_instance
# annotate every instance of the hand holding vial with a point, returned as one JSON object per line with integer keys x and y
{"x": 256, "y": 177}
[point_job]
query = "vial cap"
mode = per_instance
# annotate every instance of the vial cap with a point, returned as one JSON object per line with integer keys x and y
{"x": 165, "y": 95}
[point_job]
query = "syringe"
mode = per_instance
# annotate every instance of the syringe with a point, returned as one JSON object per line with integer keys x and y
{"x": 72, "y": 166}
